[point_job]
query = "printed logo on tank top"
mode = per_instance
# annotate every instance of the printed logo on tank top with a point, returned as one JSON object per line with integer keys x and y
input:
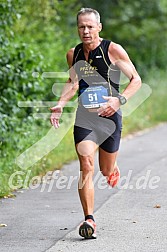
{"x": 88, "y": 70}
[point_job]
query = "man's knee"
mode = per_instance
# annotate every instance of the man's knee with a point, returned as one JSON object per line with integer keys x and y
{"x": 86, "y": 171}
{"x": 86, "y": 148}
{"x": 86, "y": 164}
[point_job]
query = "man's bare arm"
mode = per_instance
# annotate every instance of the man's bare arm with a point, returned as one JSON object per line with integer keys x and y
{"x": 121, "y": 59}
{"x": 71, "y": 85}
{"x": 68, "y": 92}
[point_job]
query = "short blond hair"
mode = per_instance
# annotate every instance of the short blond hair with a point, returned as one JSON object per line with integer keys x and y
{"x": 89, "y": 11}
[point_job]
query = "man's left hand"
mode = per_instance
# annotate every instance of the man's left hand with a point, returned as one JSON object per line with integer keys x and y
{"x": 110, "y": 107}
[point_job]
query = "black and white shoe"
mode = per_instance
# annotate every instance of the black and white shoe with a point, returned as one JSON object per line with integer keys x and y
{"x": 87, "y": 229}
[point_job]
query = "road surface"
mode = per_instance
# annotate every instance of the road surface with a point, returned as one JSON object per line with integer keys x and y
{"x": 131, "y": 217}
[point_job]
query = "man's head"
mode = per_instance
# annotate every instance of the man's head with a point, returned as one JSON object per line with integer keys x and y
{"x": 89, "y": 26}
{"x": 85, "y": 11}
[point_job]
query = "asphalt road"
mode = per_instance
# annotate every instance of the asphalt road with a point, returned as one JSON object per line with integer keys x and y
{"x": 131, "y": 217}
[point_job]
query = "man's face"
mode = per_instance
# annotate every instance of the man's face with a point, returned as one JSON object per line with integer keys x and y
{"x": 88, "y": 28}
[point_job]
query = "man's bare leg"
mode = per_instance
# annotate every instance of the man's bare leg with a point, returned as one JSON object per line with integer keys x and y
{"x": 107, "y": 162}
{"x": 86, "y": 151}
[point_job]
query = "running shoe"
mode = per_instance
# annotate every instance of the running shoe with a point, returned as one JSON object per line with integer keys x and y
{"x": 87, "y": 229}
{"x": 114, "y": 177}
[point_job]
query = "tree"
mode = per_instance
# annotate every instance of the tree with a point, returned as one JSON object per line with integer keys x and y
{"x": 17, "y": 62}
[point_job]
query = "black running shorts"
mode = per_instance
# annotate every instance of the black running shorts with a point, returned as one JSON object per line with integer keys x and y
{"x": 104, "y": 131}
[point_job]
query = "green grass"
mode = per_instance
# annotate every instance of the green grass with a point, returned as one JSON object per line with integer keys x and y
{"x": 151, "y": 112}
{"x": 62, "y": 154}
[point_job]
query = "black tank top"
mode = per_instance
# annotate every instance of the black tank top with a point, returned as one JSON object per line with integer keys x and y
{"x": 98, "y": 70}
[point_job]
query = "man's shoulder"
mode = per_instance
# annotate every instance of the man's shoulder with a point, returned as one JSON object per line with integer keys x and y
{"x": 71, "y": 50}
{"x": 115, "y": 46}
{"x": 72, "y": 53}
{"x": 116, "y": 50}
{"x": 69, "y": 56}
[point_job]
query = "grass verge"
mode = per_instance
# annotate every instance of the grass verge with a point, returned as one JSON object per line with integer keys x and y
{"x": 153, "y": 110}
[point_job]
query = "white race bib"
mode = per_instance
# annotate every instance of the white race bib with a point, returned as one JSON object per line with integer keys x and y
{"x": 91, "y": 97}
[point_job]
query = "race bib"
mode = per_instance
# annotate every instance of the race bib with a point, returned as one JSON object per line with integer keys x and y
{"x": 91, "y": 97}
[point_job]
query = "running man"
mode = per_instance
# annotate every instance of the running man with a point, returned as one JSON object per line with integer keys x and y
{"x": 95, "y": 67}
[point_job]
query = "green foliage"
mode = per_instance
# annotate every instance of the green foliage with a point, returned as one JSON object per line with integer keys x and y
{"x": 17, "y": 63}
{"x": 49, "y": 27}
{"x": 31, "y": 40}
{"x": 152, "y": 111}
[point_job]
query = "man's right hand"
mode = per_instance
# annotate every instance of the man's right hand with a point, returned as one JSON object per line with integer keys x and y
{"x": 55, "y": 116}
